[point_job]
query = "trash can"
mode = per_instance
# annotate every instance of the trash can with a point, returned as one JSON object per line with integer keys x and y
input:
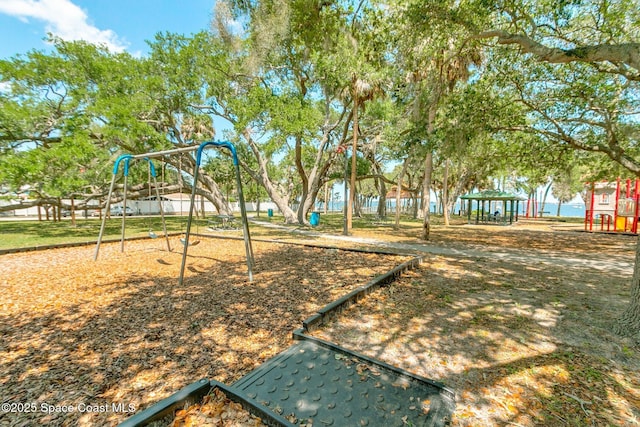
{"x": 270, "y": 213}
{"x": 315, "y": 219}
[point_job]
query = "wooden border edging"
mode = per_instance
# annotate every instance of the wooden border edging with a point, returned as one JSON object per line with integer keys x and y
{"x": 336, "y": 307}
{"x": 192, "y": 394}
{"x": 73, "y": 244}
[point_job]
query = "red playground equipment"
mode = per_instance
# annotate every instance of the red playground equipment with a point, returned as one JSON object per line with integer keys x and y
{"x": 614, "y": 205}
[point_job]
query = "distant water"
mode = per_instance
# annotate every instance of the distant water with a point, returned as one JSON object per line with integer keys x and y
{"x": 566, "y": 209}
{"x": 550, "y": 209}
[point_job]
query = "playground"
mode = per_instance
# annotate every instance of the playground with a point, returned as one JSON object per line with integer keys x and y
{"x": 121, "y": 330}
{"x": 614, "y": 205}
{"x": 507, "y": 317}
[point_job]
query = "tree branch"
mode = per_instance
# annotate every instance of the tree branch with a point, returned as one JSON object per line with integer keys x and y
{"x": 622, "y": 55}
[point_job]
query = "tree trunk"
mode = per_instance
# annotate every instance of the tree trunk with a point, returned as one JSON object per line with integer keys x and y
{"x": 312, "y": 180}
{"x": 420, "y": 213}
{"x": 628, "y": 324}
{"x": 73, "y": 211}
{"x": 326, "y": 198}
{"x": 315, "y": 177}
{"x": 357, "y": 206}
{"x": 544, "y": 200}
{"x": 559, "y": 205}
{"x": 314, "y": 183}
{"x": 354, "y": 166}
{"x": 304, "y": 180}
{"x": 445, "y": 194}
{"x": 458, "y": 188}
{"x": 279, "y": 200}
{"x": 262, "y": 177}
{"x": 381, "y": 210}
{"x": 428, "y": 171}
{"x": 345, "y": 222}
{"x": 399, "y": 192}
{"x": 531, "y": 208}
{"x": 426, "y": 196}
{"x": 310, "y": 197}
{"x": 382, "y": 193}
{"x": 208, "y": 188}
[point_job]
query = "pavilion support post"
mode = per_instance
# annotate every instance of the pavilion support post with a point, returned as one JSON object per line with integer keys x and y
{"x": 511, "y": 212}
{"x": 504, "y": 212}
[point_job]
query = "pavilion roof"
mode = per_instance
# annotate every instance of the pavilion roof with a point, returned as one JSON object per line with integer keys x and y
{"x": 404, "y": 194}
{"x": 492, "y": 195}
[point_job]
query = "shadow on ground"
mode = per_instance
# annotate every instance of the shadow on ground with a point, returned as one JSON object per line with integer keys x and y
{"x": 521, "y": 343}
{"x": 121, "y": 330}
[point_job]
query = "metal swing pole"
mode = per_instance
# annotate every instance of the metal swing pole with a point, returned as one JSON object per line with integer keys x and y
{"x": 166, "y": 152}
{"x": 152, "y": 171}
{"x": 108, "y": 203}
{"x": 104, "y": 218}
{"x": 245, "y": 222}
{"x": 124, "y": 202}
{"x": 188, "y": 230}
{"x": 243, "y": 211}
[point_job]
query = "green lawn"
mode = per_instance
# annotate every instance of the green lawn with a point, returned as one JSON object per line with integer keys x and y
{"x": 20, "y": 234}
{"x": 28, "y": 233}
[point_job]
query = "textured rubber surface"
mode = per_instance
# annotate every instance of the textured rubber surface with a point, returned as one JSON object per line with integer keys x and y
{"x": 334, "y": 387}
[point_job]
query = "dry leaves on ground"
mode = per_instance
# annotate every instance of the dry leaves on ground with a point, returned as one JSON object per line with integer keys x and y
{"x": 521, "y": 342}
{"x": 105, "y": 337}
{"x": 216, "y": 410}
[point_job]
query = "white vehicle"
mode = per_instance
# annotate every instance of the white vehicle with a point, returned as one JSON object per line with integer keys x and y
{"x": 117, "y": 211}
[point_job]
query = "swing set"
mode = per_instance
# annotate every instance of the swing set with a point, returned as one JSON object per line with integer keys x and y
{"x": 126, "y": 158}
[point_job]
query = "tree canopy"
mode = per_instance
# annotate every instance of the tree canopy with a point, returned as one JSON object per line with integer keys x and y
{"x": 447, "y": 81}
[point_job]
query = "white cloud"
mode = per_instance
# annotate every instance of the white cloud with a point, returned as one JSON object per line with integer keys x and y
{"x": 63, "y": 19}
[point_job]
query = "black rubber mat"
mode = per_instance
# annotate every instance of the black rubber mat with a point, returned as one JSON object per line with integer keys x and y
{"x": 318, "y": 383}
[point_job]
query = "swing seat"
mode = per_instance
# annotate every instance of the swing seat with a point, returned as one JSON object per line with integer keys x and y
{"x": 194, "y": 243}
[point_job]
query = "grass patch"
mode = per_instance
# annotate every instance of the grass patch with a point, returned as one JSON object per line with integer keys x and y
{"x": 22, "y": 234}
{"x": 334, "y": 222}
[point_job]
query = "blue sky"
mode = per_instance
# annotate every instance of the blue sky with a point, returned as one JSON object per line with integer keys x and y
{"x": 120, "y": 24}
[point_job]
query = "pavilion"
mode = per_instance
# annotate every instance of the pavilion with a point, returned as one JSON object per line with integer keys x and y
{"x": 493, "y": 207}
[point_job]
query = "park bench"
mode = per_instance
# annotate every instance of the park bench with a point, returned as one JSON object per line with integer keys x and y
{"x": 222, "y": 222}
{"x": 380, "y": 220}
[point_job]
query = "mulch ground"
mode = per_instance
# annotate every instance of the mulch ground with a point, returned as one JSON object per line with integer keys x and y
{"x": 523, "y": 342}
{"x": 85, "y": 342}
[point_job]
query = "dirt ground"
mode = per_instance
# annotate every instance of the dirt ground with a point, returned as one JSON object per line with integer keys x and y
{"x": 518, "y": 323}
{"x": 117, "y": 335}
